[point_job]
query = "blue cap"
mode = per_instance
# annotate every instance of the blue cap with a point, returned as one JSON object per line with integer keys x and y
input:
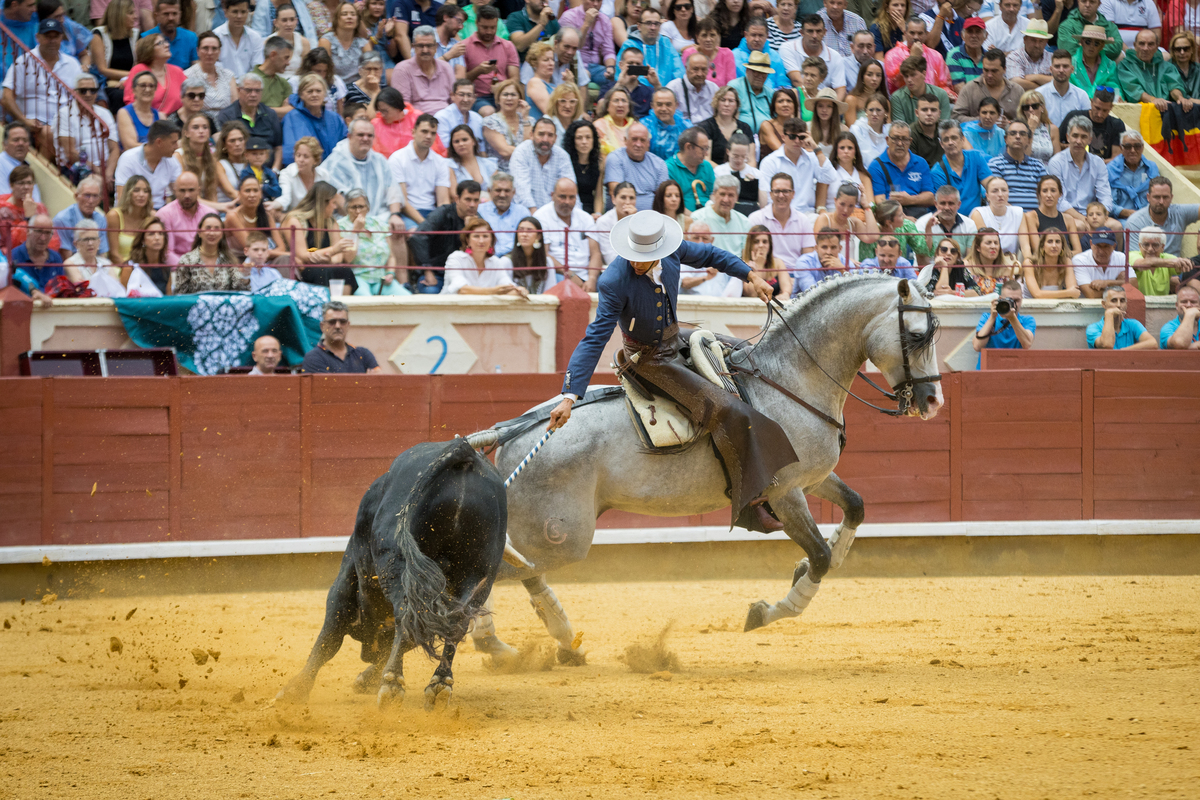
{"x": 51, "y": 25}
{"x": 1104, "y": 237}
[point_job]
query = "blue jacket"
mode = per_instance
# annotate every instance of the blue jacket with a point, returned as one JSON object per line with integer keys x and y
{"x": 329, "y": 128}
{"x": 663, "y": 57}
{"x": 664, "y": 141}
{"x": 269, "y": 182}
{"x": 778, "y": 80}
{"x": 635, "y": 303}
{"x": 1129, "y": 187}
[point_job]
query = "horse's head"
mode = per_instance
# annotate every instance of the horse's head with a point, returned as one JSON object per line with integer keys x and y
{"x": 902, "y": 346}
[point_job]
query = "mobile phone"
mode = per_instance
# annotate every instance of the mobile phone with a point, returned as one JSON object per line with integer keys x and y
{"x": 640, "y": 71}
{"x": 493, "y": 62}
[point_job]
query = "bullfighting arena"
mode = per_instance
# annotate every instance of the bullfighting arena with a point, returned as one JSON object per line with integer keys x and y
{"x": 987, "y": 687}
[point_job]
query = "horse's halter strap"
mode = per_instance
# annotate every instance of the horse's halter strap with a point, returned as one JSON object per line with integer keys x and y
{"x": 902, "y": 396}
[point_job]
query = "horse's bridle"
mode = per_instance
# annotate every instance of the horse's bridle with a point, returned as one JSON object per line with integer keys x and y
{"x": 903, "y": 394}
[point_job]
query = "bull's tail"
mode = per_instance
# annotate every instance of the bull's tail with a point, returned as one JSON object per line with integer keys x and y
{"x": 427, "y": 613}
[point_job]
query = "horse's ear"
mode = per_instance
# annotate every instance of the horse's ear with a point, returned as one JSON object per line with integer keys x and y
{"x": 905, "y": 291}
{"x": 924, "y": 276}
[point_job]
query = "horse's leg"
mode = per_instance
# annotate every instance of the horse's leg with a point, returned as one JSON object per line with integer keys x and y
{"x": 792, "y": 509}
{"x": 546, "y": 604}
{"x": 851, "y": 504}
{"x": 483, "y": 635}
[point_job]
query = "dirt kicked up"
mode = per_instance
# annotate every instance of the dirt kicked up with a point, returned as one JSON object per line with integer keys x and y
{"x": 885, "y": 688}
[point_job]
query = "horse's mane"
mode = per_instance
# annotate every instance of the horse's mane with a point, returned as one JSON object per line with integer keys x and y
{"x": 807, "y": 302}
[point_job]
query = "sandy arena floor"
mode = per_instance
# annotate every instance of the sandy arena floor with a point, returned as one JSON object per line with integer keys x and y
{"x": 948, "y": 688}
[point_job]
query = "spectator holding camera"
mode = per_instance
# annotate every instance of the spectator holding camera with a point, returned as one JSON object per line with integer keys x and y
{"x": 1003, "y": 328}
{"x": 1115, "y": 331}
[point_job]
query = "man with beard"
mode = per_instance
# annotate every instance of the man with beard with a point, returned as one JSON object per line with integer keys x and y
{"x": 537, "y": 164}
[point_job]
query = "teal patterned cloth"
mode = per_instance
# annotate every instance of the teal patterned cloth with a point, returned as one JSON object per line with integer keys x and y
{"x": 214, "y": 331}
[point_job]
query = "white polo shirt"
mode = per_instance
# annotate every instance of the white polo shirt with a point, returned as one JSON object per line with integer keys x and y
{"x": 1086, "y": 269}
{"x": 420, "y": 177}
{"x": 245, "y": 55}
{"x": 793, "y": 56}
{"x": 580, "y": 226}
{"x": 38, "y": 96}
{"x": 1132, "y": 17}
{"x": 133, "y": 162}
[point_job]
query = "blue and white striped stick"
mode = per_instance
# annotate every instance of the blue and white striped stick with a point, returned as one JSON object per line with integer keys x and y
{"x": 525, "y": 461}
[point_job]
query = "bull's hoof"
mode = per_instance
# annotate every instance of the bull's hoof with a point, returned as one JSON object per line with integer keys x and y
{"x": 438, "y": 689}
{"x": 391, "y": 690}
{"x": 572, "y": 657}
{"x": 495, "y": 647}
{"x": 367, "y": 680}
{"x": 296, "y": 692}
{"x": 757, "y": 616}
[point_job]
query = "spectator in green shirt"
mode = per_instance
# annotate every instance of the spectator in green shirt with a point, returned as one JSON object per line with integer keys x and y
{"x": 1092, "y": 67}
{"x": 1157, "y": 273}
{"x": 1085, "y": 15}
{"x": 1146, "y": 77}
{"x": 277, "y": 52}
{"x": 531, "y": 24}
{"x": 691, "y": 170}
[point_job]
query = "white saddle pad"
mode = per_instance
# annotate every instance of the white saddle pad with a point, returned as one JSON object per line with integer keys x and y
{"x": 660, "y": 422}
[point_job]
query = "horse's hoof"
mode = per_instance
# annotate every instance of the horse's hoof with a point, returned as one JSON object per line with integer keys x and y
{"x": 438, "y": 689}
{"x": 495, "y": 647}
{"x": 367, "y": 681}
{"x": 296, "y": 692}
{"x": 390, "y": 691}
{"x": 800, "y": 571}
{"x": 757, "y": 616}
{"x": 572, "y": 657}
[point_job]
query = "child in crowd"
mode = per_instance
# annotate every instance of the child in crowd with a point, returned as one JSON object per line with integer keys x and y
{"x": 1096, "y": 216}
{"x": 257, "y": 153}
{"x": 258, "y": 246}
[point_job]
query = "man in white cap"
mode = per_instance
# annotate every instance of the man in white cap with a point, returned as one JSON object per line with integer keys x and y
{"x": 637, "y": 292}
{"x": 1029, "y": 66}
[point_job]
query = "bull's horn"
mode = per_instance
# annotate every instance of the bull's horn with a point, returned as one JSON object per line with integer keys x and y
{"x": 513, "y": 557}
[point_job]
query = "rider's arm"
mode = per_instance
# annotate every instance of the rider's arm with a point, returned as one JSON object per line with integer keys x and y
{"x": 599, "y": 332}
{"x": 704, "y": 256}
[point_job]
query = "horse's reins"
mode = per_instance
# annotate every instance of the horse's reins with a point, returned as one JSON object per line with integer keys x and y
{"x": 902, "y": 396}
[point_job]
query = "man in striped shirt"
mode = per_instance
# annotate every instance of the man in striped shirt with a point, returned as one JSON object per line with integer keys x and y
{"x": 1021, "y": 172}
{"x": 840, "y": 27}
{"x": 966, "y": 61}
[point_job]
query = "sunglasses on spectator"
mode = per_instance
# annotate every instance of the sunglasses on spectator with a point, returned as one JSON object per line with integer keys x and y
{"x": 1183, "y": 49}
{"x": 87, "y": 90}
{"x": 682, "y": 7}
{"x": 195, "y": 95}
{"x": 1132, "y": 146}
{"x": 795, "y": 137}
{"x": 888, "y": 243}
{"x": 948, "y": 249}
{"x": 1031, "y": 105}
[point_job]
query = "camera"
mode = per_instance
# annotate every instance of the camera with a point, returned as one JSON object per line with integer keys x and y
{"x": 1003, "y": 306}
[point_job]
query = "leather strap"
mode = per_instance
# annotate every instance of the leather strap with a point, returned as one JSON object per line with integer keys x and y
{"x": 841, "y": 426}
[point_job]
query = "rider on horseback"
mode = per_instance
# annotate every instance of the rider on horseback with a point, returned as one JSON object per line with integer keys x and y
{"x": 650, "y": 247}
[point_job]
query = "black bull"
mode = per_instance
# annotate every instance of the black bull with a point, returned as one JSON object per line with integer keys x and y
{"x": 426, "y": 547}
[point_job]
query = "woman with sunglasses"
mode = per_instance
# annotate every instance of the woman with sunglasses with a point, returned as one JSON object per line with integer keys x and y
{"x": 949, "y": 271}
{"x": 1043, "y": 133}
{"x": 722, "y": 65}
{"x": 1186, "y": 59}
{"x": 679, "y": 24}
{"x": 1051, "y": 275}
{"x": 221, "y": 83}
{"x": 134, "y": 119}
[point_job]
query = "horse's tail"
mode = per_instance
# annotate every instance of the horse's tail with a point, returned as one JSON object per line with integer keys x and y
{"x": 428, "y": 613}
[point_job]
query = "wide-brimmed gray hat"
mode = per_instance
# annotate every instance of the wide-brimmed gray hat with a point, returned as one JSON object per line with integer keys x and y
{"x": 646, "y": 236}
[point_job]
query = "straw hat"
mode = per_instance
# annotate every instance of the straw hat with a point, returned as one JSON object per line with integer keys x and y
{"x": 825, "y": 94}
{"x": 760, "y": 62}
{"x": 646, "y": 236}
{"x": 1038, "y": 29}
{"x": 1096, "y": 32}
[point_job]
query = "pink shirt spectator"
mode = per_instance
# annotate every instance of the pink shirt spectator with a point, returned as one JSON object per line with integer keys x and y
{"x": 936, "y": 72}
{"x": 427, "y": 95}
{"x": 598, "y": 44}
{"x": 477, "y": 53}
{"x": 181, "y": 226}
{"x": 723, "y": 68}
{"x": 166, "y": 97}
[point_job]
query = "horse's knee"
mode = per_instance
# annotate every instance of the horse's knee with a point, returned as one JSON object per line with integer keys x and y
{"x": 535, "y": 585}
{"x": 820, "y": 558}
{"x": 855, "y": 511}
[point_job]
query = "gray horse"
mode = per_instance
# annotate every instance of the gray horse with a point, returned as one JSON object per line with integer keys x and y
{"x": 813, "y": 350}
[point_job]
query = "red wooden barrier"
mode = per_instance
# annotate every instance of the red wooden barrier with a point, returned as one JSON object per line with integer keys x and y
{"x": 121, "y": 460}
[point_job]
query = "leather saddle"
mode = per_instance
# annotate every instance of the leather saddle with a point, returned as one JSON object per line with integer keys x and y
{"x": 661, "y": 424}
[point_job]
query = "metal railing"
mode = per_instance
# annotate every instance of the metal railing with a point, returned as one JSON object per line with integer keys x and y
{"x": 58, "y": 110}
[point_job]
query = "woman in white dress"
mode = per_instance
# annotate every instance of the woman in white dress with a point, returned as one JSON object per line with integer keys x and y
{"x": 998, "y": 214}
{"x": 286, "y": 23}
{"x": 297, "y": 179}
{"x": 474, "y": 268}
{"x": 850, "y": 168}
{"x": 871, "y": 130}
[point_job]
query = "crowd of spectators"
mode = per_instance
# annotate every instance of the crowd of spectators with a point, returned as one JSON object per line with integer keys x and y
{"x": 415, "y": 146}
